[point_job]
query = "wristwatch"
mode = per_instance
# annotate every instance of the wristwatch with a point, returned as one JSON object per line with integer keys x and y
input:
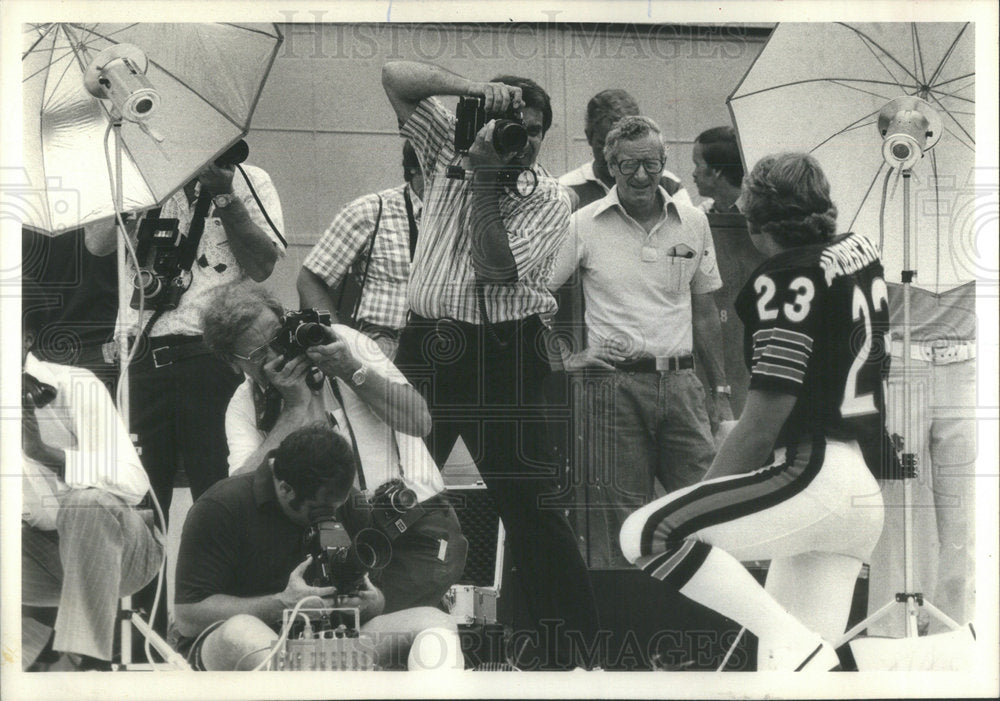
{"x": 224, "y": 200}
{"x": 359, "y": 376}
{"x": 725, "y": 390}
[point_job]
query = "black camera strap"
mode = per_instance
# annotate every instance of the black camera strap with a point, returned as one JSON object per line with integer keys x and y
{"x": 412, "y": 221}
{"x": 350, "y": 429}
{"x": 368, "y": 261}
{"x": 189, "y": 247}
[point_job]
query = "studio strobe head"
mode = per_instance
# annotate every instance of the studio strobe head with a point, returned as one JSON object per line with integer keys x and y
{"x": 909, "y": 126}
{"x": 118, "y": 73}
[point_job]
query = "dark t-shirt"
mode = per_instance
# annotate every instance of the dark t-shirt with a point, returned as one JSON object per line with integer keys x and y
{"x": 237, "y": 541}
{"x": 81, "y": 290}
{"x": 815, "y": 321}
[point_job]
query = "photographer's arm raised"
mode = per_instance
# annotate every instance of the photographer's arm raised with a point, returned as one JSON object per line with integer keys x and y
{"x": 251, "y": 246}
{"x": 491, "y": 254}
{"x": 406, "y": 83}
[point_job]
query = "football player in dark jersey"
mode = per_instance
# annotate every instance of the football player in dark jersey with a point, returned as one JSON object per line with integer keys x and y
{"x": 794, "y": 481}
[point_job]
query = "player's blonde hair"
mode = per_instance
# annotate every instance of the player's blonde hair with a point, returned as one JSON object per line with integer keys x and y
{"x": 787, "y": 196}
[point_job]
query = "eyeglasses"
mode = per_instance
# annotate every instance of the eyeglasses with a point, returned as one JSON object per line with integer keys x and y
{"x": 630, "y": 166}
{"x": 259, "y": 354}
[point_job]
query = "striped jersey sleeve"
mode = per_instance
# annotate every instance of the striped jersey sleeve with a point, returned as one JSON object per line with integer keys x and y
{"x": 785, "y": 316}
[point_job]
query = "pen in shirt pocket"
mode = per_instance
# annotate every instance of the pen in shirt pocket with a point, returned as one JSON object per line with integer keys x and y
{"x": 675, "y": 253}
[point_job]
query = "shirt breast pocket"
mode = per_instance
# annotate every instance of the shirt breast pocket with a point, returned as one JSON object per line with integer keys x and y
{"x": 678, "y": 272}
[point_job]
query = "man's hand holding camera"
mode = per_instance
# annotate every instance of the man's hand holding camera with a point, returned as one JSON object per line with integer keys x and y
{"x": 289, "y": 378}
{"x": 497, "y": 97}
{"x": 368, "y": 599}
{"x": 217, "y": 179}
{"x": 334, "y": 358}
{"x": 297, "y": 588}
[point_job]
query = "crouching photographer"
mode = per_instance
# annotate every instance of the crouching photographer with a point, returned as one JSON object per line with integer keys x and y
{"x": 253, "y": 546}
{"x": 299, "y": 370}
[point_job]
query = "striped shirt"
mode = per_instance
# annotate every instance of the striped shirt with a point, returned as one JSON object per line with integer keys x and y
{"x": 442, "y": 278}
{"x": 383, "y": 301}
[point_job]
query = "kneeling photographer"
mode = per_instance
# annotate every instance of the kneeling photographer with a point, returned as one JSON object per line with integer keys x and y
{"x": 287, "y": 358}
{"x": 254, "y": 546}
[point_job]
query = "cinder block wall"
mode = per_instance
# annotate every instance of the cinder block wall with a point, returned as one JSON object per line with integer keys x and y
{"x": 326, "y": 133}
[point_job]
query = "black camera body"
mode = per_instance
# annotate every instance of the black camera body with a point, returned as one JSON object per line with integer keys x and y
{"x": 392, "y": 508}
{"x": 509, "y": 136}
{"x": 161, "y": 277}
{"x": 339, "y": 560}
{"x": 35, "y": 394}
{"x": 302, "y": 329}
{"x": 509, "y": 133}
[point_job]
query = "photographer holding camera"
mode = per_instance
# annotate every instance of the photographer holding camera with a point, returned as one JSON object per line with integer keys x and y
{"x": 369, "y": 402}
{"x": 221, "y": 221}
{"x": 246, "y": 556}
{"x": 492, "y": 222}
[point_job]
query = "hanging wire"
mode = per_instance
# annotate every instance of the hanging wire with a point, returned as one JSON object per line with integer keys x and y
{"x": 286, "y": 629}
{"x": 881, "y": 211}
{"x": 129, "y": 247}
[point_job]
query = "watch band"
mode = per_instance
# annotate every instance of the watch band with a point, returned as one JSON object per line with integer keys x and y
{"x": 359, "y": 376}
{"x": 223, "y": 200}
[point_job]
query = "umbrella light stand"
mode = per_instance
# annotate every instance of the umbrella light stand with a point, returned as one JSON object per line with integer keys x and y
{"x": 140, "y": 101}
{"x": 909, "y": 127}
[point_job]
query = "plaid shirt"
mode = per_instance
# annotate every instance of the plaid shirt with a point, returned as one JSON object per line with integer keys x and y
{"x": 384, "y": 299}
{"x": 442, "y": 280}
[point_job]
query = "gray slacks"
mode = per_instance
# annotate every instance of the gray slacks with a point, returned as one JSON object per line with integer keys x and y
{"x": 101, "y": 550}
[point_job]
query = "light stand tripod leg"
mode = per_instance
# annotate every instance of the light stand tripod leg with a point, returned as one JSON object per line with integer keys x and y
{"x": 912, "y": 601}
{"x": 941, "y": 616}
{"x": 877, "y": 616}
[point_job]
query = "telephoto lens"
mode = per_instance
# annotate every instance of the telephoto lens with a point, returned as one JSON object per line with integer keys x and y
{"x": 509, "y": 136}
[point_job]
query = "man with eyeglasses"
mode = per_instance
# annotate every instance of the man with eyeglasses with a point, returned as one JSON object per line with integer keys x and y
{"x": 367, "y": 400}
{"x": 647, "y": 268}
{"x": 592, "y": 180}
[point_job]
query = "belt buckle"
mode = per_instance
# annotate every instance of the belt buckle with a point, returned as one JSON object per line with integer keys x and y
{"x": 667, "y": 364}
{"x": 156, "y": 361}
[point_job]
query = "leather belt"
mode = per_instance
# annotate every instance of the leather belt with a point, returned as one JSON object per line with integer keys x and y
{"x": 680, "y": 362}
{"x": 941, "y": 352}
{"x": 167, "y": 350}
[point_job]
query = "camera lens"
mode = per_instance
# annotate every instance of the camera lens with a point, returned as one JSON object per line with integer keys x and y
{"x": 901, "y": 150}
{"x": 149, "y": 283}
{"x": 509, "y": 136}
{"x": 143, "y": 106}
{"x": 403, "y": 499}
{"x": 310, "y": 334}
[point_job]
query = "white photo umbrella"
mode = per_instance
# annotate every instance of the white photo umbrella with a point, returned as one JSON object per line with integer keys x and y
{"x": 877, "y": 103}
{"x": 819, "y": 87}
{"x": 208, "y": 78}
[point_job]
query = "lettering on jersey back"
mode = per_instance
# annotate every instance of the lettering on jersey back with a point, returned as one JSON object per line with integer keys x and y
{"x": 847, "y": 257}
